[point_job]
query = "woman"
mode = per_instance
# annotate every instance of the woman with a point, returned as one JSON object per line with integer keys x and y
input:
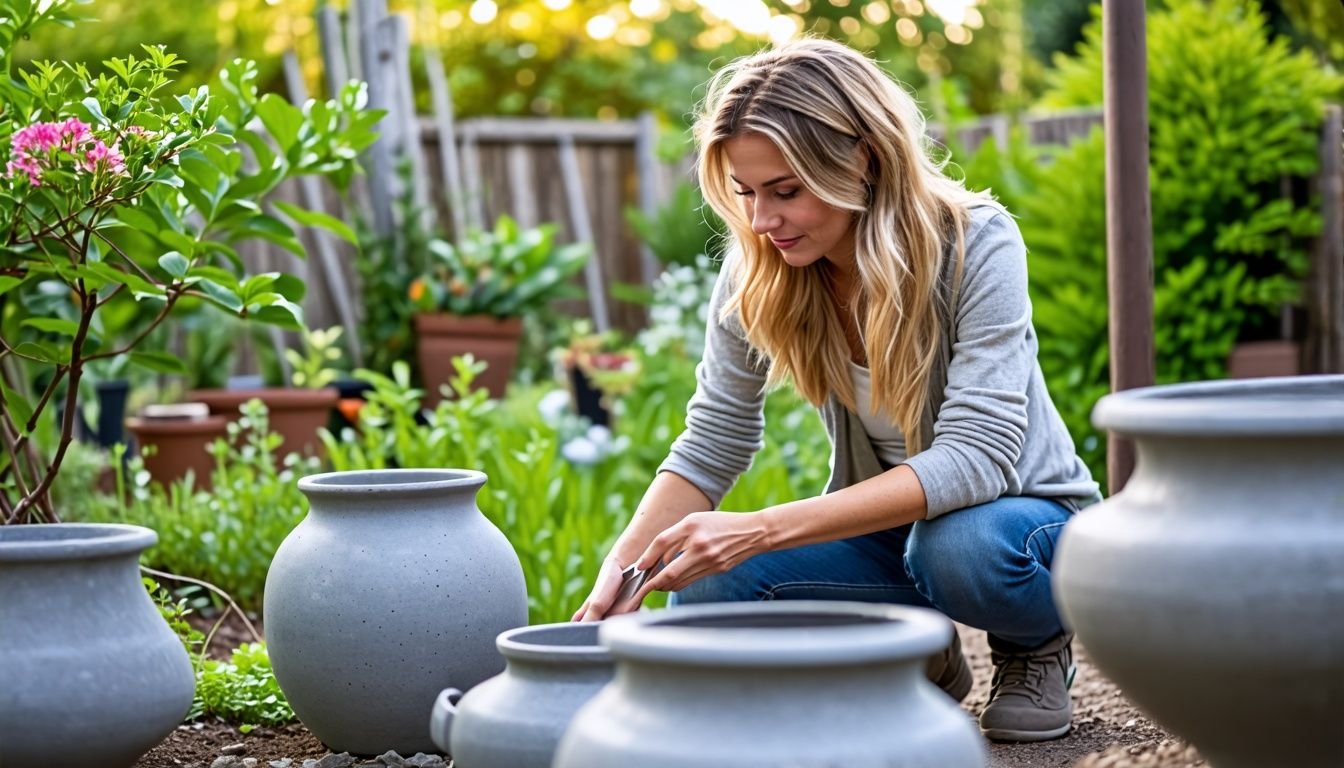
{"x": 895, "y": 301}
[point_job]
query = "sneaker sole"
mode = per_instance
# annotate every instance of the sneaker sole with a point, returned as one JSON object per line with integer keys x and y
{"x": 1006, "y": 734}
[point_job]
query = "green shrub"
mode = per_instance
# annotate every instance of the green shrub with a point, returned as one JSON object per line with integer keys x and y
{"x": 228, "y": 534}
{"x": 1233, "y": 117}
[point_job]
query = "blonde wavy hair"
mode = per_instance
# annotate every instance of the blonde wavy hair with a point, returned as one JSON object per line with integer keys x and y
{"x": 824, "y": 105}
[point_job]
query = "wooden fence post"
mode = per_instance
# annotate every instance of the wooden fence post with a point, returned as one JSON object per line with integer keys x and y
{"x": 583, "y": 232}
{"x": 377, "y": 64}
{"x": 646, "y": 164}
{"x": 408, "y": 144}
{"x": 1129, "y": 221}
{"x": 1324, "y": 351}
{"x": 442, "y": 99}
{"x": 335, "y": 65}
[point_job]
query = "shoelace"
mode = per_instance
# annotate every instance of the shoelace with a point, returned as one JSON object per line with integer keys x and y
{"x": 1020, "y": 671}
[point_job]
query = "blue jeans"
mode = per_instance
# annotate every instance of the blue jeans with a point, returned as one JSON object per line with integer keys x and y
{"x": 986, "y": 566}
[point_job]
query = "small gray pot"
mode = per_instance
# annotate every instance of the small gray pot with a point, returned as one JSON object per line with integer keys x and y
{"x": 1212, "y": 588}
{"x": 91, "y": 676}
{"x": 791, "y": 683}
{"x": 393, "y": 588}
{"x": 515, "y": 719}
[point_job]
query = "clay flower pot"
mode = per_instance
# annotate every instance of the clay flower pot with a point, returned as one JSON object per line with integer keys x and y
{"x": 90, "y": 674}
{"x": 1212, "y": 588}
{"x": 294, "y": 414}
{"x": 181, "y": 435}
{"x": 790, "y": 683}
{"x": 441, "y": 336}
{"x": 393, "y": 588}
{"x": 516, "y": 718}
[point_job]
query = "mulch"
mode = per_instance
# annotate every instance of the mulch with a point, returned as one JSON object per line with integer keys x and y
{"x": 1108, "y": 730}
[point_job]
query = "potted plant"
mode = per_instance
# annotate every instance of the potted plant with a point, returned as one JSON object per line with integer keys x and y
{"x": 119, "y": 196}
{"x": 596, "y": 368}
{"x": 475, "y": 292}
{"x": 296, "y": 412}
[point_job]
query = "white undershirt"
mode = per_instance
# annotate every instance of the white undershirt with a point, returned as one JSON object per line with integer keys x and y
{"x": 887, "y": 439}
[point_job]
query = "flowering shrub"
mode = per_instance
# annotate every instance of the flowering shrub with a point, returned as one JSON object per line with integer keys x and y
{"x": 121, "y": 203}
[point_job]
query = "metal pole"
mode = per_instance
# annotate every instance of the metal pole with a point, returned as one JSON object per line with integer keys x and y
{"x": 1129, "y": 221}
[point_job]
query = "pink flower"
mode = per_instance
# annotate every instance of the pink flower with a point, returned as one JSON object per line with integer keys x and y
{"x": 33, "y": 147}
{"x": 105, "y": 158}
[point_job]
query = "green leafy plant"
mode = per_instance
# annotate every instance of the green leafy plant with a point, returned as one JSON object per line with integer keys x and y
{"x": 241, "y": 690}
{"x": 313, "y": 368}
{"x": 116, "y": 192}
{"x": 174, "y": 611}
{"x": 502, "y": 272}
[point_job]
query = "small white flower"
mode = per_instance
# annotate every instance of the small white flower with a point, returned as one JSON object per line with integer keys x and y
{"x": 599, "y": 435}
{"x": 580, "y": 450}
{"x": 553, "y": 405}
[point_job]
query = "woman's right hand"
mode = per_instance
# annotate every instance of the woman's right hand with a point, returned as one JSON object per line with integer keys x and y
{"x": 605, "y": 590}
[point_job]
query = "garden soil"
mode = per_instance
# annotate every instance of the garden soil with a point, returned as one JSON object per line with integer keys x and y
{"x": 1108, "y": 731}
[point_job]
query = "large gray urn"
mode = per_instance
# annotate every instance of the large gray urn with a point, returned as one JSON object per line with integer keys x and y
{"x": 393, "y": 588}
{"x": 792, "y": 683}
{"x": 515, "y": 719}
{"x": 90, "y": 674}
{"x": 1212, "y": 587}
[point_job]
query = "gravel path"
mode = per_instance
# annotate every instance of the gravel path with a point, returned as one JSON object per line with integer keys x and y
{"x": 1108, "y": 731}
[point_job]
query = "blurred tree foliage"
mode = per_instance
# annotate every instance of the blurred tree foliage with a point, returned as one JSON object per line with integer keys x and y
{"x": 598, "y": 58}
{"x": 614, "y": 58}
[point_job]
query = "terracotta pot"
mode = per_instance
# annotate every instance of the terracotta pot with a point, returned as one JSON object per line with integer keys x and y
{"x": 788, "y": 683}
{"x": 1212, "y": 588}
{"x": 516, "y": 718}
{"x": 294, "y": 414}
{"x": 441, "y": 337}
{"x": 179, "y": 445}
{"x": 90, "y": 674}
{"x": 1258, "y": 359}
{"x": 393, "y": 588}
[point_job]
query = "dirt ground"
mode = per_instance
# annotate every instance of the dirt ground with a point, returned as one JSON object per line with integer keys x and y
{"x": 1108, "y": 731}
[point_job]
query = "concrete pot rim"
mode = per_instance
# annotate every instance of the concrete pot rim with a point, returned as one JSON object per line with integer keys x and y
{"x": 55, "y": 542}
{"x": 389, "y": 482}
{"x": 851, "y": 633}
{"x": 563, "y": 642}
{"x": 1279, "y": 406}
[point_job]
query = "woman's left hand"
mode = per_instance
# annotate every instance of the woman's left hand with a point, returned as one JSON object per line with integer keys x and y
{"x": 703, "y": 543}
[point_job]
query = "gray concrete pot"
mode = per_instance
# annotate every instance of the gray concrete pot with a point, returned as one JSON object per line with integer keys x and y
{"x": 390, "y": 590}
{"x": 1212, "y": 588}
{"x": 515, "y": 719}
{"x": 790, "y": 683}
{"x": 90, "y": 674}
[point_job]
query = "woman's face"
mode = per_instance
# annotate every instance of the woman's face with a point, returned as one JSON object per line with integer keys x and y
{"x": 801, "y": 225}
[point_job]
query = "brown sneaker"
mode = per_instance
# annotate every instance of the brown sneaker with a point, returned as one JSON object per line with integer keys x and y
{"x": 948, "y": 670}
{"x": 1029, "y": 697}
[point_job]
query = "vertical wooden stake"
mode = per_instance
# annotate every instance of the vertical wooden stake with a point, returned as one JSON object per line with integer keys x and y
{"x": 1129, "y": 223}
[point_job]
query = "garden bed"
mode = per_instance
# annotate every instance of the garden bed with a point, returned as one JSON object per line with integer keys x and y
{"x": 1108, "y": 731}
